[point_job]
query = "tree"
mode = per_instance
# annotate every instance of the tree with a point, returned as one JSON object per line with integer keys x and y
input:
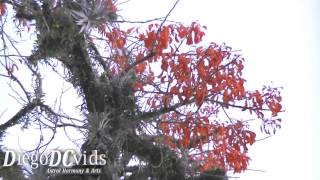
{"x": 152, "y": 95}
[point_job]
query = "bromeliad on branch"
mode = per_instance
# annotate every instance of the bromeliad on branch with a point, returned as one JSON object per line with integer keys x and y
{"x": 94, "y": 13}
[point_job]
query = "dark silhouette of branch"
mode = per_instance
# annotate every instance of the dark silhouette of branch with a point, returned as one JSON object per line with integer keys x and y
{"x": 20, "y": 114}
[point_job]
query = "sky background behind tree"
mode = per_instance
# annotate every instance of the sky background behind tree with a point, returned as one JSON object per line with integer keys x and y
{"x": 278, "y": 39}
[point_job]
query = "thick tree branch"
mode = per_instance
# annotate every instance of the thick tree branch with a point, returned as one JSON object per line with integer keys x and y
{"x": 20, "y": 114}
{"x": 160, "y": 158}
{"x": 154, "y": 113}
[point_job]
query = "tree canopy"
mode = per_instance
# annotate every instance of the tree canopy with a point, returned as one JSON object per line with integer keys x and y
{"x": 155, "y": 98}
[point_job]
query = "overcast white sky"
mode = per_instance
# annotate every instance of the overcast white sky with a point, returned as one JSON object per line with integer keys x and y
{"x": 278, "y": 38}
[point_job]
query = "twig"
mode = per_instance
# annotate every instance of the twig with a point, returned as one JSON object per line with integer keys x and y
{"x": 257, "y": 170}
{"x": 263, "y": 138}
{"x": 152, "y": 53}
{"x": 140, "y": 22}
